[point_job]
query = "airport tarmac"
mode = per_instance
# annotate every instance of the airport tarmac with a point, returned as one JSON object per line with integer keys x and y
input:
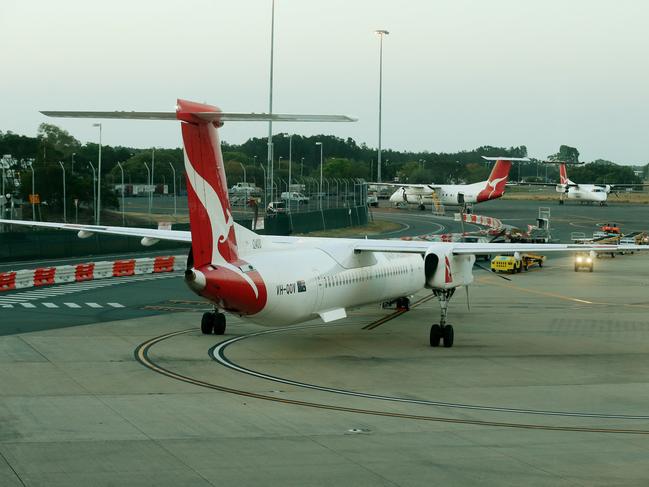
{"x": 547, "y": 384}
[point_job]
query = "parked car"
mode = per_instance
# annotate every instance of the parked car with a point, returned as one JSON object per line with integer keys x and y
{"x": 372, "y": 200}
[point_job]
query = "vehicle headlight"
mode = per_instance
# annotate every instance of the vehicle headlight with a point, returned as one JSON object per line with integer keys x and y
{"x": 579, "y": 259}
{"x": 589, "y": 260}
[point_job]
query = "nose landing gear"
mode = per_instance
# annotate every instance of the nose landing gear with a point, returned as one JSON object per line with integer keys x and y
{"x": 442, "y": 332}
{"x": 213, "y": 322}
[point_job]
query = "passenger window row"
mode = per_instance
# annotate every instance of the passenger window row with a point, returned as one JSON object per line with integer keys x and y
{"x": 351, "y": 277}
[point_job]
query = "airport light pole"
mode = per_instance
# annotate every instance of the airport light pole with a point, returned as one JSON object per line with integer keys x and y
{"x": 65, "y": 216}
{"x": 94, "y": 190}
{"x": 31, "y": 166}
{"x": 245, "y": 179}
{"x": 381, "y": 34}
{"x": 73, "y": 154}
{"x": 321, "y": 163}
{"x": 152, "y": 190}
{"x": 279, "y": 164}
{"x": 98, "y": 217}
{"x": 270, "y": 106}
{"x": 290, "y": 160}
{"x": 173, "y": 170}
{"x": 148, "y": 172}
{"x": 121, "y": 168}
{"x": 302, "y": 168}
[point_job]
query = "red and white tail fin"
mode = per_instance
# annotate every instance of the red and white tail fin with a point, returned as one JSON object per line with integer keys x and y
{"x": 495, "y": 185}
{"x": 563, "y": 174}
{"x": 210, "y": 216}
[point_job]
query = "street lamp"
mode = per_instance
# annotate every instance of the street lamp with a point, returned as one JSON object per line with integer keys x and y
{"x": 98, "y": 209}
{"x": 321, "y": 159}
{"x": 94, "y": 189}
{"x": 121, "y": 168}
{"x": 73, "y": 154}
{"x": 302, "y": 168}
{"x": 174, "y": 173}
{"x": 279, "y": 164}
{"x": 65, "y": 217}
{"x": 380, "y": 33}
{"x": 152, "y": 190}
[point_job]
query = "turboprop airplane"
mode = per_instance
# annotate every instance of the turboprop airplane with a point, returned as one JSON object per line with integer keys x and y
{"x": 584, "y": 193}
{"x": 458, "y": 194}
{"x": 273, "y": 280}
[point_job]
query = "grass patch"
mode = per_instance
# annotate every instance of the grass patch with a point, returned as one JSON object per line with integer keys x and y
{"x": 374, "y": 228}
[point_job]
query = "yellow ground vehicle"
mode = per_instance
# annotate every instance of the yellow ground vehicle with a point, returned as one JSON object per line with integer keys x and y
{"x": 509, "y": 263}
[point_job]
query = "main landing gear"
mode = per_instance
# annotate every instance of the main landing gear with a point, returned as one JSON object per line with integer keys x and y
{"x": 213, "y": 322}
{"x": 442, "y": 332}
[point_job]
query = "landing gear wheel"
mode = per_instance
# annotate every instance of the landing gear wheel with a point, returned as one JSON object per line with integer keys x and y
{"x": 447, "y": 336}
{"x": 422, "y": 207}
{"x": 435, "y": 335}
{"x": 219, "y": 324}
{"x": 207, "y": 323}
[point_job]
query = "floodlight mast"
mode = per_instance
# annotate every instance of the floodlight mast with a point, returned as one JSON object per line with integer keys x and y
{"x": 380, "y": 33}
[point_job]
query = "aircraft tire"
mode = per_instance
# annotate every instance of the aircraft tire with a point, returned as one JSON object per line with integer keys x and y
{"x": 422, "y": 207}
{"x": 207, "y": 323}
{"x": 435, "y": 335}
{"x": 448, "y": 335}
{"x": 219, "y": 324}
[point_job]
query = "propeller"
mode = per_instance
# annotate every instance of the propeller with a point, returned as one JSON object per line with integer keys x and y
{"x": 487, "y": 270}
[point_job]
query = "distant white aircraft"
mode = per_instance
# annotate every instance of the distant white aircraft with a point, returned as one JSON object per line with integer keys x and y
{"x": 584, "y": 193}
{"x": 458, "y": 194}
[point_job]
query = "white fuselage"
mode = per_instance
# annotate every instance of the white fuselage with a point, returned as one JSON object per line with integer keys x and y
{"x": 584, "y": 192}
{"x": 448, "y": 194}
{"x": 303, "y": 282}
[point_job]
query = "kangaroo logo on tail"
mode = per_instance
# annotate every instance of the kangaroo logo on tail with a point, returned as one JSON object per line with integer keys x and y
{"x": 495, "y": 186}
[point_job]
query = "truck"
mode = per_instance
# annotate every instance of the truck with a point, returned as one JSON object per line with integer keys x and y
{"x": 511, "y": 264}
{"x": 294, "y": 196}
{"x": 246, "y": 189}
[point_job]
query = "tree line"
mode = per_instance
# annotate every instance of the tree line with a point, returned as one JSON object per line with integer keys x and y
{"x": 343, "y": 158}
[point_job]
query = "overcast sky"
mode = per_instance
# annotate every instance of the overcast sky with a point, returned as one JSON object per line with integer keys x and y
{"x": 457, "y": 73}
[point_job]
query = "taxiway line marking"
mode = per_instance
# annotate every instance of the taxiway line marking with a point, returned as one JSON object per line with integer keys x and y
{"x": 395, "y": 314}
{"x": 142, "y": 356}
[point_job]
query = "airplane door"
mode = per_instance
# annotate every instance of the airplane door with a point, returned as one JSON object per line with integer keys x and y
{"x": 460, "y": 198}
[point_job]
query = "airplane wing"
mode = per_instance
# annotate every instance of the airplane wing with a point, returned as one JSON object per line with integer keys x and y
{"x": 406, "y": 185}
{"x": 464, "y": 248}
{"x": 88, "y": 230}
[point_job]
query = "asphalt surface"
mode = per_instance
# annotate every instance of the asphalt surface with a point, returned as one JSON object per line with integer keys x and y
{"x": 546, "y": 384}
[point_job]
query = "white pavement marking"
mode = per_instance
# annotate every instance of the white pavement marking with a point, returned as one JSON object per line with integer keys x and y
{"x": 116, "y": 305}
{"x": 50, "y": 305}
{"x": 27, "y": 305}
{"x": 94, "y": 305}
{"x": 72, "y": 305}
{"x": 7, "y": 305}
{"x": 69, "y": 288}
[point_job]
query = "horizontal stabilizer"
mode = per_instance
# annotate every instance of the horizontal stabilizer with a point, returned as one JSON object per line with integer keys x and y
{"x": 506, "y": 158}
{"x": 207, "y": 116}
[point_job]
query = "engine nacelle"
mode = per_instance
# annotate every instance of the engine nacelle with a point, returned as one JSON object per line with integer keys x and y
{"x": 444, "y": 270}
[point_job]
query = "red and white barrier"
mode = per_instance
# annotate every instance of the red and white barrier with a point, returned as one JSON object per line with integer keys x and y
{"x": 485, "y": 221}
{"x": 45, "y": 276}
